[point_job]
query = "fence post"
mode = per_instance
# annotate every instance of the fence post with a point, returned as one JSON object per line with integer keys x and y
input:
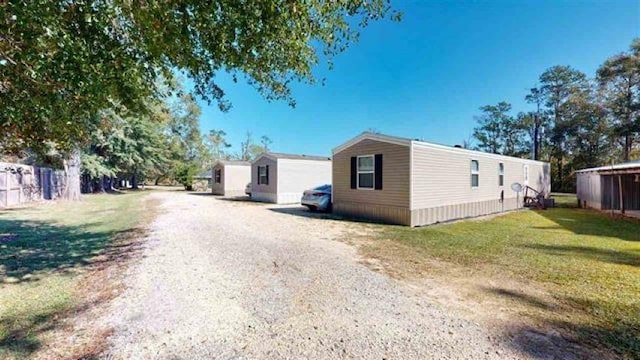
{"x": 20, "y": 179}
{"x": 7, "y": 188}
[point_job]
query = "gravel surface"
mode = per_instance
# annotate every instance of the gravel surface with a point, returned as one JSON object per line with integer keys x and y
{"x": 227, "y": 279}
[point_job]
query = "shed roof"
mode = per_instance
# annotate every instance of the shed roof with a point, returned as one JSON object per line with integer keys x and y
{"x": 409, "y": 142}
{"x": 203, "y": 175}
{"x": 233, "y": 162}
{"x": 274, "y": 156}
{"x": 630, "y": 165}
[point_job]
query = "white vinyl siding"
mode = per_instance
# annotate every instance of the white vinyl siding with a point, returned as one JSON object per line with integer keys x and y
{"x": 450, "y": 184}
{"x": 230, "y": 179}
{"x": 295, "y": 176}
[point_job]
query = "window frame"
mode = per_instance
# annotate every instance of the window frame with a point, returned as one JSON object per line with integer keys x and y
{"x": 266, "y": 175}
{"x": 217, "y": 176}
{"x": 525, "y": 175}
{"x": 501, "y": 174}
{"x": 474, "y": 172}
{"x": 372, "y": 172}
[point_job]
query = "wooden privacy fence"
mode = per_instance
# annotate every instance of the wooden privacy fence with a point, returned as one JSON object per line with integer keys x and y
{"x": 24, "y": 183}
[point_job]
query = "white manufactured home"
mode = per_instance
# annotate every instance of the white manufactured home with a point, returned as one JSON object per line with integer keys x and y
{"x": 282, "y": 178}
{"x": 612, "y": 187}
{"x": 230, "y": 177}
{"x": 409, "y": 182}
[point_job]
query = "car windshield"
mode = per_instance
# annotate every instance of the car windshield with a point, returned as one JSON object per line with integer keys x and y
{"x": 323, "y": 188}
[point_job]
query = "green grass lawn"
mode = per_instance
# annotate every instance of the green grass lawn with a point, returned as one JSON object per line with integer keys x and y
{"x": 45, "y": 250}
{"x": 587, "y": 262}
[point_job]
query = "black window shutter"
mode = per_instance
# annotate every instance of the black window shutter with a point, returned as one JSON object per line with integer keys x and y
{"x": 258, "y": 172}
{"x": 266, "y": 170}
{"x": 354, "y": 172}
{"x": 378, "y": 172}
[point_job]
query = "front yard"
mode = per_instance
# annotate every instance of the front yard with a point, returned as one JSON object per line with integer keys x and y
{"x": 53, "y": 262}
{"x": 559, "y": 277}
{"x": 568, "y": 270}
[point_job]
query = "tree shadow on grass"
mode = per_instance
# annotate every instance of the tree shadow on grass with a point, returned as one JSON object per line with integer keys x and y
{"x": 28, "y": 247}
{"x": 42, "y": 249}
{"x": 591, "y": 222}
{"x": 555, "y": 331}
{"x": 627, "y": 257}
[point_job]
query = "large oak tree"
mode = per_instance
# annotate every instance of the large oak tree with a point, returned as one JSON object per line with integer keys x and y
{"x": 62, "y": 62}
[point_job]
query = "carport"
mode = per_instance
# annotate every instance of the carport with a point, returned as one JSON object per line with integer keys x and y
{"x": 613, "y": 188}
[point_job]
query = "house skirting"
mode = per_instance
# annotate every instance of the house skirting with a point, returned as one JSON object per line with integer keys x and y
{"x": 264, "y": 197}
{"x": 425, "y": 216}
{"x": 377, "y": 213}
{"x": 428, "y": 216}
{"x": 233, "y": 193}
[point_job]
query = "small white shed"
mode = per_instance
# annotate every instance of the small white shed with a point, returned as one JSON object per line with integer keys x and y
{"x": 281, "y": 178}
{"x": 230, "y": 177}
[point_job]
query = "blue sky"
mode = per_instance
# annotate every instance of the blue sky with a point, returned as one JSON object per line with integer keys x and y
{"x": 426, "y": 76}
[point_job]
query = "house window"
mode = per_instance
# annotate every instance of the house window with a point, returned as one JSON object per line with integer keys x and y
{"x": 526, "y": 174}
{"x": 366, "y": 171}
{"x": 475, "y": 173}
{"x": 501, "y": 174}
{"x": 217, "y": 176}
{"x": 263, "y": 175}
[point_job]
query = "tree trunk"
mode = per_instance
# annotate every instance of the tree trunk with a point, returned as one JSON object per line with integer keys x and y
{"x": 627, "y": 147}
{"x": 134, "y": 181}
{"x": 560, "y": 171}
{"x": 72, "y": 176}
{"x": 536, "y": 140}
{"x": 100, "y": 184}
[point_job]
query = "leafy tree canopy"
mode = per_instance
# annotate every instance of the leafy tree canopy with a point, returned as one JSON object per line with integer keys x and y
{"x": 61, "y": 62}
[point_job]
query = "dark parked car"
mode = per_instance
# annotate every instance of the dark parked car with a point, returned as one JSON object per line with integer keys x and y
{"x": 318, "y": 198}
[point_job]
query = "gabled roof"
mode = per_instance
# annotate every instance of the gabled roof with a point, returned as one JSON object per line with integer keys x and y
{"x": 275, "y": 156}
{"x": 621, "y": 166}
{"x": 373, "y": 136}
{"x": 232, "y": 162}
{"x": 410, "y": 142}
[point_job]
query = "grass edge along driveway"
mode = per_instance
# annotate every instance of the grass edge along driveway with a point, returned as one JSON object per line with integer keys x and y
{"x": 51, "y": 255}
{"x": 586, "y": 263}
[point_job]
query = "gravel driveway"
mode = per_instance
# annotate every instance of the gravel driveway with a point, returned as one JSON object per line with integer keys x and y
{"x": 226, "y": 279}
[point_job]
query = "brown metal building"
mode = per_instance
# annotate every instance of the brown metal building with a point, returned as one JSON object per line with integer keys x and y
{"x": 613, "y": 187}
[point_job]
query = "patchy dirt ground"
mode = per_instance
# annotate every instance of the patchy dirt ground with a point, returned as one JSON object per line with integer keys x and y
{"x": 231, "y": 279}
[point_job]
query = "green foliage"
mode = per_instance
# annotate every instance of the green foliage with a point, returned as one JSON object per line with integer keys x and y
{"x": 249, "y": 149}
{"x": 62, "y": 62}
{"x": 500, "y": 133}
{"x": 619, "y": 79}
{"x": 577, "y": 123}
{"x": 185, "y": 173}
{"x": 217, "y": 143}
